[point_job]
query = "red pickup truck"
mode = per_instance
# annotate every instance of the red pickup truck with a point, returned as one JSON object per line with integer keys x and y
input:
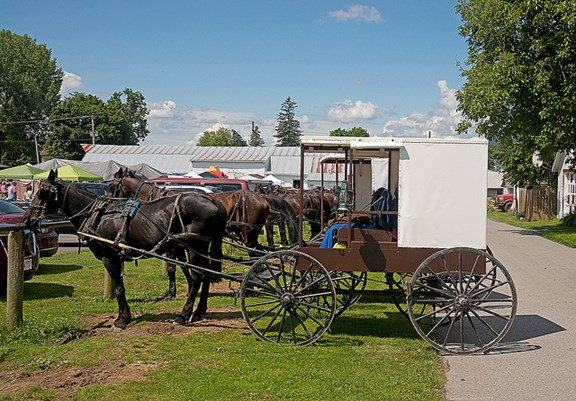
{"x": 504, "y": 201}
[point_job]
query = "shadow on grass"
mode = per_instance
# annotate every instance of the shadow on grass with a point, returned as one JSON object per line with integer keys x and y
{"x": 393, "y": 325}
{"x": 34, "y": 291}
{"x": 56, "y": 269}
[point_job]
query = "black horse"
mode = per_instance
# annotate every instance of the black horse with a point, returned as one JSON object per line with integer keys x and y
{"x": 192, "y": 221}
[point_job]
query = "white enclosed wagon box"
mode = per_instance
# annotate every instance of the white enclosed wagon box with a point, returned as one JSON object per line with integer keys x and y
{"x": 441, "y": 184}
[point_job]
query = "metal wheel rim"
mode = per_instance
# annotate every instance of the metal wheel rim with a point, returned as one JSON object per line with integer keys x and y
{"x": 286, "y": 305}
{"x": 466, "y": 311}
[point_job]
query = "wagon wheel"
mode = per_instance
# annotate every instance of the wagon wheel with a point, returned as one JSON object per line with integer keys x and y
{"x": 288, "y": 297}
{"x": 348, "y": 285}
{"x": 468, "y": 308}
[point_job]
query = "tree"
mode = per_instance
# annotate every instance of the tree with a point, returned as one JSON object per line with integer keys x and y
{"x": 30, "y": 82}
{"x": 119, "y": 121}
{"x": 255, "y": 138}
{"x": 288, "y": 130}
{"x": 126, "y": 122}
{"x": 221, "y": 137}
{"x": 520, "y": 79}
{"x": 71, "y": 125}
{"x": 355, "y": 132}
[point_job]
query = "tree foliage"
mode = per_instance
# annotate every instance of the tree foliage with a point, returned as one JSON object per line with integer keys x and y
{"x": 221, "y": 137}
{"x": 354, "y": 131}
{"x": 288, "y": 130}
{"x": 119, "y": 121}
{"x": 30, "y": 82}
{"x": 255, "y": 138}
{"x": 68, "y": 131}
{"x": 520, "y": 87}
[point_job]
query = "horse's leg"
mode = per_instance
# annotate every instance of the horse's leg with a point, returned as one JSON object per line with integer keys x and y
{"x": 199, "y": 259}
{"x": 186, "y": 312}
{"x": 203, "y": 302}
{"x": 269, "y": 227}
{"x": 252, "y": 236}
{"x": 214, "y": 264}
{"x": 114, "y": 268}
{"x": 171, "y": 271}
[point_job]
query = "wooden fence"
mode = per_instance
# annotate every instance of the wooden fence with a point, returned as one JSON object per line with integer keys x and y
{"x": 537, "y": 203}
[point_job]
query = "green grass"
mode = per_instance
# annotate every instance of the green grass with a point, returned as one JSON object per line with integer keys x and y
{"x": 552, "y": 229}
{"x": 371, "y": 352}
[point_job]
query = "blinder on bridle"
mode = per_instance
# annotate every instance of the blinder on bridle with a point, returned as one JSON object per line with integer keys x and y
{"x": 52, "y": 198}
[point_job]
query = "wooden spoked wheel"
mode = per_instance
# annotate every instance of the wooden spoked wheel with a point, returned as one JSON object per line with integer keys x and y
{"x": 288, "y": 297}
{"x": 462, "y": 300}
{"x": 348, "y": 287}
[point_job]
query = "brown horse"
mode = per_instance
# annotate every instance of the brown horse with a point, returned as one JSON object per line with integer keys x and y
{"x": 194, "y": 222}
{"x": 314, "y": 209}
{"x": 246, "y": 211}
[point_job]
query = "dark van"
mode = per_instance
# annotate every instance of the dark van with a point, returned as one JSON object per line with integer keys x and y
{"x": 221, "y": 184}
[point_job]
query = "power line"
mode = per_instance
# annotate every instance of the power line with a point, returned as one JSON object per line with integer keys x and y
{"x": 45, "y": 121}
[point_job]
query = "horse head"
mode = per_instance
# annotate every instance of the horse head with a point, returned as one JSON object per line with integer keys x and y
{"x": 116, "y": 189}
{"x": 46, "y": 201}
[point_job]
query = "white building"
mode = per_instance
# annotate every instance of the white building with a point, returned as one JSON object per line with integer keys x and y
{"x": 566, "y": 184}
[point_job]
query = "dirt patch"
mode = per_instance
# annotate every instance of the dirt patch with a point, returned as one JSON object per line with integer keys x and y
{"x": 67, "y": 382}
{"x": 217, "y": 319}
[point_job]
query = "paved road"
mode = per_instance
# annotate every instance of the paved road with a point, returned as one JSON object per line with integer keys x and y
{"x": 68, "y": 243}
{"x": 537, "y": 360}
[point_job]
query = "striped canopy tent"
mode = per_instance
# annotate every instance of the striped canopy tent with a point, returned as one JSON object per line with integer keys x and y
{"x": 71, "y": 173}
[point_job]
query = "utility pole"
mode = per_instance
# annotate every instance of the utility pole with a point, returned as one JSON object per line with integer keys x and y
{"x": 93, "y": 131}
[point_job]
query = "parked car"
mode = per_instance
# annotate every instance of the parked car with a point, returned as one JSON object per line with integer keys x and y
{"x": 223, "y": 184}
{"x": 97, "y": 188}
{"x": 504, "y": 201}
{"x": 46, "y": 238}
{"x": 190, "y": 188}
{"x": 31, "y": 255}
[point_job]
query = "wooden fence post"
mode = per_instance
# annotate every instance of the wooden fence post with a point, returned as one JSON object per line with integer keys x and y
{"x": 108, "y": 286}
{"x": 15, "y": 280}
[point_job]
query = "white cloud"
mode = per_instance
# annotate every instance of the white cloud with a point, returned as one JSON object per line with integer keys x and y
{"x": 163, "y": 109}
{"x": 440, "y": 122}
{"x": 358, "y": 110}
{"x": 357, "y": 12}
{"x": 70, "y": 83}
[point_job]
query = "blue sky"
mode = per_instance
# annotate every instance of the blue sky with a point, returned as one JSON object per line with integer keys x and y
{"x": 389, "y": 66}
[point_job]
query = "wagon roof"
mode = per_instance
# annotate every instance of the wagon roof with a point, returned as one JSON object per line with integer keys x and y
{"x": 338, "y": 144}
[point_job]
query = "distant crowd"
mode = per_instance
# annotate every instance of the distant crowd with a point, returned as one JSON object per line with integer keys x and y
{"x": 11, "y": 190}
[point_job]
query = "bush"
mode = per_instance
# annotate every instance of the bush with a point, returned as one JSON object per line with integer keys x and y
{"x": 569, "y": 220}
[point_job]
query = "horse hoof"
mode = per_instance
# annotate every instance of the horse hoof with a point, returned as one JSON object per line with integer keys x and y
{"x": 118, "y": 326}
{"x": 179, "y": 320}
{"x": 195, "y": 318}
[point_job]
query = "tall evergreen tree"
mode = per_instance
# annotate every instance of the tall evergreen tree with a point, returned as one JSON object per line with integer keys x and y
{"x": 255, "y": 138}
{"x": 288, "y": 130}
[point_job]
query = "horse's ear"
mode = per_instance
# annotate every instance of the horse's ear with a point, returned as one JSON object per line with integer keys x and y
{"x": 53, "y": 175}
{"x": 119, "y": 173}
{"x": 130, "y": 173}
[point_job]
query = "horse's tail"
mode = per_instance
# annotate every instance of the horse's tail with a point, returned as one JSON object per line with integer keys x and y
{"x": 291, "y": 220}
{"x": 215, "y": 251}
{"x": 282, "y": 207}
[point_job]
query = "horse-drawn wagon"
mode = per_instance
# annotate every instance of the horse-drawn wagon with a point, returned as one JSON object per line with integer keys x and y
{"x": 427, "y": 245}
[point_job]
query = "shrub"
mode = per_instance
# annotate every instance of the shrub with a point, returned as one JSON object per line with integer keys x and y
{"x": 569, "y": 220}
